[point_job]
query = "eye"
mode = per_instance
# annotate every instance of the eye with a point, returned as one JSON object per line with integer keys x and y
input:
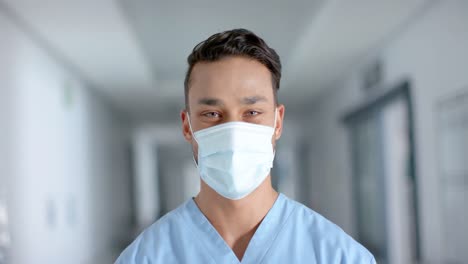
{"x": 252, "y": 113}
{"x": 211, "y": 114}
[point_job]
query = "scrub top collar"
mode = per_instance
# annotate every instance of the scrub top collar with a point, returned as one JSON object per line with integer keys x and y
{"x": 206, "y": 236}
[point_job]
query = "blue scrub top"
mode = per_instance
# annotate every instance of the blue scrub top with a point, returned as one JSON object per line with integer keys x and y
{"x": 289, "y": 233}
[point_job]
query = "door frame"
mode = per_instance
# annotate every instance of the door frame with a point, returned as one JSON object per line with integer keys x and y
{"x": 375, "y": 104}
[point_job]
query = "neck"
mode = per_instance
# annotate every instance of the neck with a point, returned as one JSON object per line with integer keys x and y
{"x": 236, "y": 220}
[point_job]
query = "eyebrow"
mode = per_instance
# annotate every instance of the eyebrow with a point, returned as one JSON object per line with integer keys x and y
{"x": 253, "y": 100}
{"x": 210, "y": 101}
{"x": 246, "y": 100}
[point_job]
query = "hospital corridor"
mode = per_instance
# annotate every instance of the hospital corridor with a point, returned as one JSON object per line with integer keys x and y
{"x": 375, "y": 131}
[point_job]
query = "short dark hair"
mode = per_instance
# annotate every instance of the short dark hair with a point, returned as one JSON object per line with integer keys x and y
{"x": 235, "y": 42}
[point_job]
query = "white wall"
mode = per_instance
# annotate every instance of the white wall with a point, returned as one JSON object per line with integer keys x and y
{"x": 5, "y": 122}
{"x": 67, "y": 174}
{"x": 5, "y": 159}
{"x": 432, "y": 51}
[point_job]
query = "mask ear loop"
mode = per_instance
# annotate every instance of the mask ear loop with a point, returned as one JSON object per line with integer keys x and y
{"x": 274, "y": 130}
{"x": 276, "y": 114}
{"x": 190, "y": 125}
{"x": 193, "y": 136}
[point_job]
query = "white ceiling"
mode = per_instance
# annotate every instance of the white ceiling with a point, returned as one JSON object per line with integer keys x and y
{"x": 134, "y": 51}
{"x": 168, "y": 30}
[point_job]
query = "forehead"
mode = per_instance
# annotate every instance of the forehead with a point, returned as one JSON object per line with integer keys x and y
{"x": 229, "y": 79}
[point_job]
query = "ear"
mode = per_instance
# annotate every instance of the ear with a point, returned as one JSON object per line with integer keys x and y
{"x": 279, "y": 121}
{"x": 186, "y": 126}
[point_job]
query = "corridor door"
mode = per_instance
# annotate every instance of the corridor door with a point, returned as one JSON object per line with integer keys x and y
{"x": 384, "y": 176}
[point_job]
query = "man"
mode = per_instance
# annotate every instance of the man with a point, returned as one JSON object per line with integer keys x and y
{"x": 232, "y": 120}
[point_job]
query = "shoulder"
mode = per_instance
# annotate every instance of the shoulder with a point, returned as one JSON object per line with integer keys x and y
{"x": 153, "y": 239}
{"x": 326, "y": 237}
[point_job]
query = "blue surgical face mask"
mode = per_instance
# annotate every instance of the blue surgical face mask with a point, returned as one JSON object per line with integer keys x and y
{"x": 234, "y": 158}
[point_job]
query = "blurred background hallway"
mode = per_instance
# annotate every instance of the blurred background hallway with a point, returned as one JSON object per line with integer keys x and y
{"x": 375, "y": 138}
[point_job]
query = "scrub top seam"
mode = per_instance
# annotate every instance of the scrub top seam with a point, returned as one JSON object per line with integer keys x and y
{"x": 277, "y": 234}
{"x": 194, "y": 236}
